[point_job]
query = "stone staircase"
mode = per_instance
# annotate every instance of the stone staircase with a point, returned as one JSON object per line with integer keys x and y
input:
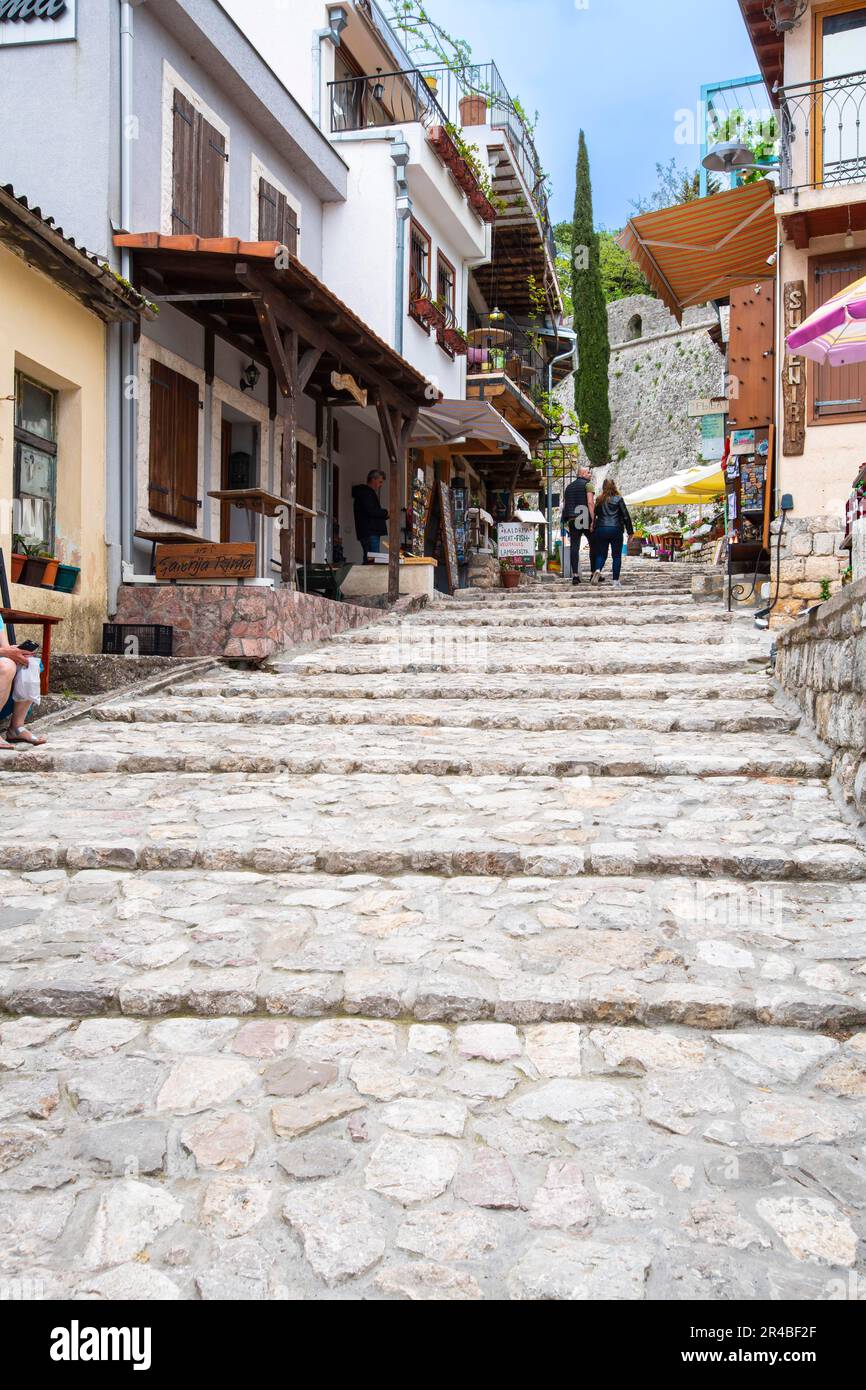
{"x": 511, "y": 950}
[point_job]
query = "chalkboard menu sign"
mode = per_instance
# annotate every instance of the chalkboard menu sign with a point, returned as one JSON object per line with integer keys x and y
{"x": 449, "y": 540}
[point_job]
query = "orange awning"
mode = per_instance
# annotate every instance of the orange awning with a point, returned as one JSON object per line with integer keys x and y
{"x": 699, "y": 251}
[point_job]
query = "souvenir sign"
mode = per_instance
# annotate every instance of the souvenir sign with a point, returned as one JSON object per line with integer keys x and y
{"x": 36, "y": 21}
{"x": 515, "y": 541}
{"x": 743, "y": 442}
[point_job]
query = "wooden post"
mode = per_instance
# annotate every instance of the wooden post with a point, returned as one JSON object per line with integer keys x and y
{"x": 289, "y": 470}
{"x": 396, "y": 430}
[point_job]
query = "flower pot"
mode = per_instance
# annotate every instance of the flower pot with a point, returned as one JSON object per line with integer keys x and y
{"x": 510, "y": 579}
{"x": 50, "y": 573}
{"x": 18, "y": 563}
{"x": 33, "y": 572}
{"x": 67, "y": 578}
{"x": 473, "y": 110}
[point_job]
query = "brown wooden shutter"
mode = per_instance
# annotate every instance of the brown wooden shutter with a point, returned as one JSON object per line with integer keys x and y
{"x": 289, "y": 236}
{"x": 174, "y": 412}
{"x": 751, "y": 354}
{"x": 838, "y": 392}
{"x": 184, "y": 166}
{"x": 278, "y": 220}
{"x": 212, "y": 173}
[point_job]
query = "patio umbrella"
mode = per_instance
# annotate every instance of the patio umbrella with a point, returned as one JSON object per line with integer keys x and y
{"x": 688, "y": 488}
{"x": 835, "y": 334}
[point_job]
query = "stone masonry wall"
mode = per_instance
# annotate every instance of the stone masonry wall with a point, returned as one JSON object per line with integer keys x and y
{"x": 652, "y": 380}
{"x": 232, "y": 621}
{"x": 821, "y": 664}
{"x": 811, "y": 553}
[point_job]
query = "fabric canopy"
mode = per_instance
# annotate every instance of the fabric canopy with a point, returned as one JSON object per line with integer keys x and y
{"x": 835, "y": 333}
{"x": 688, "y": 488}
{"x": 450, "y": 422}
{"x": 531, "y": 518}
{"x": 700, "y": 250}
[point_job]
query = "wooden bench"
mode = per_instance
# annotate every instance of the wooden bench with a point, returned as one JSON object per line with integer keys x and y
{"x": 11, "y": 616}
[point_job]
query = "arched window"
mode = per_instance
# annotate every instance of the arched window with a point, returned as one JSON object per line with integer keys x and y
{"x": 635, "y": 328}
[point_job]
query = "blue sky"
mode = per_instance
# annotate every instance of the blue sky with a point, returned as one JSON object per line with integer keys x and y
{"x": 620, "y": 69}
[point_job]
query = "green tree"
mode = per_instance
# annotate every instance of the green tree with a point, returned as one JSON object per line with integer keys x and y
{"x": 590, "y": 320}
{"x": 620, "y": 277}
{"x": 676, "y": 184}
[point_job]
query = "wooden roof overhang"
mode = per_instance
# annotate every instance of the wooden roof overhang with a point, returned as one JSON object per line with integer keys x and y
{"x": 804, "y": 224}
{"x": 236, "y": 292}
{"x": 510, "y": 401}
{"x": 33, "y": 237}
{"x": 769, "y": 46}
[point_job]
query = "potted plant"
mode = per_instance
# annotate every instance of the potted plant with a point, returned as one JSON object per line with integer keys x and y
{"x": 510, "y": 572}
{"x": 473, "y": 109}
{"x": 67, "y": 578}
{"x": 19, "y": 558}
{"x": 49, "y": 574}
{"x": 34, "y": 567}
{"x": 456, "y": 341}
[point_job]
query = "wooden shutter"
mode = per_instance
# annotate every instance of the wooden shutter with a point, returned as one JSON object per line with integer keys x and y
{"x": 174, "y": 412}
{"x": 184, "y": 168}
{"x": 278, "y": 220}
{"x": 838, "y": 392}
{"x": 212, "y": 173}
{"x": 751, "y": 354}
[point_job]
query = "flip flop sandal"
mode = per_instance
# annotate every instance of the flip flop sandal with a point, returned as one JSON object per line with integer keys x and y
{"x": 19, "y": 736}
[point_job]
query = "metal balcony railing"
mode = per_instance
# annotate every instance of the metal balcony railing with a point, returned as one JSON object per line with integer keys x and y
{"x": 435, "y": 95}
{"x": 822, "y": 133}
{"x": 505, "y": 348}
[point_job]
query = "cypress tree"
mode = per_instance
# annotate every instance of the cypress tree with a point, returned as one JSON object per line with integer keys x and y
{"x": 591, "y": 381}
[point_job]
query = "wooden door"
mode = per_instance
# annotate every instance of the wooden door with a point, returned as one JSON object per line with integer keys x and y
{"x": 751, "y": 360}
{"x": 225, "y": 507}
{"x": 305, "y": 493}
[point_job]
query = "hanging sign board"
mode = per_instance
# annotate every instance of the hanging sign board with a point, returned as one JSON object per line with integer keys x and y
{"x": 37, "y": 21}
{"x": 708, "y": 405}
{"x": 515, "y": 541}
{"x": 193, "y": 563}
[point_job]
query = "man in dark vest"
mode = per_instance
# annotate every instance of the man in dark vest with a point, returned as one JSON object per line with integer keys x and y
{"x": 578, "y": 511}
{"x": 371, "y": 519}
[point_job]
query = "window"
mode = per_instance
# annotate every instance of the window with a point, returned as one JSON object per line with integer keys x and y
{"x": 419, "y": 265}
{"x": 840, "y": 52}
{"x": 35, "y": 474}
{"x": 446, "y": 283}
{"x": 278, "y": 220}
{"x": 174, "y": 411}
{"x": 837, "y": 393}
{"x": 635, "y": 329}
{"x": 198, "y": 172}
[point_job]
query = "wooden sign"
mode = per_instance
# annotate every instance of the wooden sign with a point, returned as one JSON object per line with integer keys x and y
{"x": 794, "y": 374}
{"x": 196, "y": 562}
{"x": 708, "y": 405}
{"x": 345, "y": 382}
{"x": 448, "y": 537}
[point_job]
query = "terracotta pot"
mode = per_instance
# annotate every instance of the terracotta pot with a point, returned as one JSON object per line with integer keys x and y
{"x": 33, "y": 572}
{"x": 510, "y": 579}
{"x": 18, "y": 563}
{"x": 50, "y": 575}
{"x": 473, "y": 110}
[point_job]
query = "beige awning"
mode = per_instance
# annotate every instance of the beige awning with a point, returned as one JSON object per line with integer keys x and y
{"x": 456, "y": 422}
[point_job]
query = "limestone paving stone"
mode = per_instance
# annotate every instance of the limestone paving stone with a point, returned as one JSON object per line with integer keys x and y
{"x": 527, "y": 967}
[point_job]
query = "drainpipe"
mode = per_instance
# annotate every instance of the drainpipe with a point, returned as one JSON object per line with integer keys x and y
{"x": 127, "y": 350}
{"x": 400, "y": 156}
{"x": 561, "y": 357}
{"x": 337, "y": 21}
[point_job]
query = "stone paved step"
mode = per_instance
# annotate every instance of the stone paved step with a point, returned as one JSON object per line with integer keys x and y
{"x": 585, "y": 657}
{"x": 567, "y": 691}
{"x": 677, "y": 951}
{"x": 583, "y": 615}
{"x": 708, "y": 716}
{"x": 557, "y": 638}
{"x": 371, "y": 747}
{"x": 377, "y": 1160}
{"x": 548, "y": 826}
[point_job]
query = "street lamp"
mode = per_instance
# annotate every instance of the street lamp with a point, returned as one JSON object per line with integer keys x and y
{"x": 250, "y": 378}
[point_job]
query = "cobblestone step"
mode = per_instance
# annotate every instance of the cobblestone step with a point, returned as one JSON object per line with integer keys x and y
{"x": 372, "y": 747}
{"x": 578, "y": 615}
{"x": 677, "y": 951}
{"x": 259, "y": 1159}
{"x": 708, "y": 716}
{"x": 557, "y": 638}
{"x": 566, "y": 691}
{"x": 587, "y": 659}
{"x": 548, "y": 826}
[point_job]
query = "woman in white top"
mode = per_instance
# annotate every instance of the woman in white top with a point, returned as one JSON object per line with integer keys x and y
{"x": 10, "y": 660}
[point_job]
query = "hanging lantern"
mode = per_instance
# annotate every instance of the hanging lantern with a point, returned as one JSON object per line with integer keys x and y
{"x": 785, "y": 15}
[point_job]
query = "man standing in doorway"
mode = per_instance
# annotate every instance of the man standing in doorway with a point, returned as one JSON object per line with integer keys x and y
{"x": 371, "y": 519}
{"x": 578, "y": 513}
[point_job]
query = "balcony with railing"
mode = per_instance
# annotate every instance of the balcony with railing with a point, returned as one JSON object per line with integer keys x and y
{"x": 438, "y": 97}
{"x": 502, "y": 347}
{"x": 822, "y": 130}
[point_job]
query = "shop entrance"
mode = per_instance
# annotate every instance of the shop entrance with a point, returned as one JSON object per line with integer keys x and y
{"x": 240, "y": 453}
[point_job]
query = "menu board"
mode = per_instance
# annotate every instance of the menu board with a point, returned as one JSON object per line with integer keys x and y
{"x": 448, "y": 538}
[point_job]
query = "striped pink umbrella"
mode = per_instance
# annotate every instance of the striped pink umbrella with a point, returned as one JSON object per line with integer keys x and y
{"x": 836, "y": 333}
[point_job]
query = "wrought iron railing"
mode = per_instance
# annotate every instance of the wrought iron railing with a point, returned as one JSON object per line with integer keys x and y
{"x": 822, "y": 132}
{"x": 506, "y": 348}
{"x": 438, "y": 95}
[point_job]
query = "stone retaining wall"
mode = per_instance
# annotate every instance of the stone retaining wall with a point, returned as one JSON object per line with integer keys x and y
{"x": 811, "y": 553}
{"x": 822, "y": 664}
{"x": 230, "y": 620}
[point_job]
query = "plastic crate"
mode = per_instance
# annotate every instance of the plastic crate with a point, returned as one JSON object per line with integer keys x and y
{"x": 137, "y": 639}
